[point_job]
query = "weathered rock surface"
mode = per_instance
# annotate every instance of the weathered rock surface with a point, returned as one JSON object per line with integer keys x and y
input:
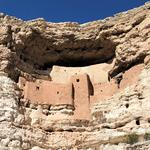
{"x": 31, "y": 48}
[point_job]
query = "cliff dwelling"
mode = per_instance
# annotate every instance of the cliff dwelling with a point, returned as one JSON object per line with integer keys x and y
{"x": 71, "y": 78}
{"x": 71, "y": 86}
{"x": 75, "y": 88}
{"x": 68, "y": 79}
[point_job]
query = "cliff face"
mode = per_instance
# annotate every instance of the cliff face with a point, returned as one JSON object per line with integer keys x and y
{"x": 110, "y": 59}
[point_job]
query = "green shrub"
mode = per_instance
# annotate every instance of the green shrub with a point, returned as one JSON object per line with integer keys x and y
{"x": 147, "y": 136}
{"x": 132, "y": 138}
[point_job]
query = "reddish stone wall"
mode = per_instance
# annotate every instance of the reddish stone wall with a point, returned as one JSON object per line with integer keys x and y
{"x": 79, "y": 92}
{"x": 46, "y": 92}
{"x": 108, "y": 89}
{"x": 76, "y": 93}
{"x": 81, "y": 96}
{"x": 104, "y": 91}
{"x": 131, "y": 76}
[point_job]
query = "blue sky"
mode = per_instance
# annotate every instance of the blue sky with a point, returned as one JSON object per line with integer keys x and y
{"x": 66, "y": 10}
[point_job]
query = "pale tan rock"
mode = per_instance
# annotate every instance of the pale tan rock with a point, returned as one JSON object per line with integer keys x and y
{"x": 114, "y": 53}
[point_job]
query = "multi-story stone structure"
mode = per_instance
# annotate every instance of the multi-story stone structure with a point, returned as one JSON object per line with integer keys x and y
{"x": 78, "y": 93}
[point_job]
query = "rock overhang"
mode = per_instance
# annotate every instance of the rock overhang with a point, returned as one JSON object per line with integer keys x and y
{"x": 43, "y": 52}
{"x": 113, "y": 117}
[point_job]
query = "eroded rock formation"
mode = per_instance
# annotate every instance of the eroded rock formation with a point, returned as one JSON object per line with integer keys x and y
{"x": 75, "y": 86}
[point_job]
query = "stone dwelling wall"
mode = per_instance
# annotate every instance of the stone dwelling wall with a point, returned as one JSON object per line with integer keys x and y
{"x": 79, "y": 92}
{"x": 81, "y": 96}
{"x": 105, "y": 90}
{"x": 46, "y": 92}
{"x": 97, "y": 73}
{"x": 130, "y": 76}
{"x": 76, "y": 93}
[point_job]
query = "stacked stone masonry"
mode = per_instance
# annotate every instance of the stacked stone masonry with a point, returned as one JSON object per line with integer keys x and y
{"x": 80, "y": 92}
{"x": 74, "y": 86}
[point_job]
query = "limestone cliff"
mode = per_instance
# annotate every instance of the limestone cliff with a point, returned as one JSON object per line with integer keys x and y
{"x": 75, "y": 86}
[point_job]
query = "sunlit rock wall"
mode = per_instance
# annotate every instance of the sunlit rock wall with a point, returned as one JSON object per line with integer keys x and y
{"x": 31, "y": 49}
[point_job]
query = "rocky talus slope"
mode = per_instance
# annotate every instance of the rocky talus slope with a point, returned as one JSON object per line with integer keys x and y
{"x": 30, "y": 49}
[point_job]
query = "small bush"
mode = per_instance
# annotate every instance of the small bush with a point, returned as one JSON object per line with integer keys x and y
{"x": 132, "y": 138}
{"x": 147, "y": 136}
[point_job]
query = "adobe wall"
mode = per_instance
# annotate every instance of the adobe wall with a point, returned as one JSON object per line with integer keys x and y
{"x": 97, "y": 73}
{"x": 105, "y": 90}
{"x": 78, "y": 92}
{"x": 81, "y": 96}
{"x": 46, "y": 92}
{"x": 131, "y": 76}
